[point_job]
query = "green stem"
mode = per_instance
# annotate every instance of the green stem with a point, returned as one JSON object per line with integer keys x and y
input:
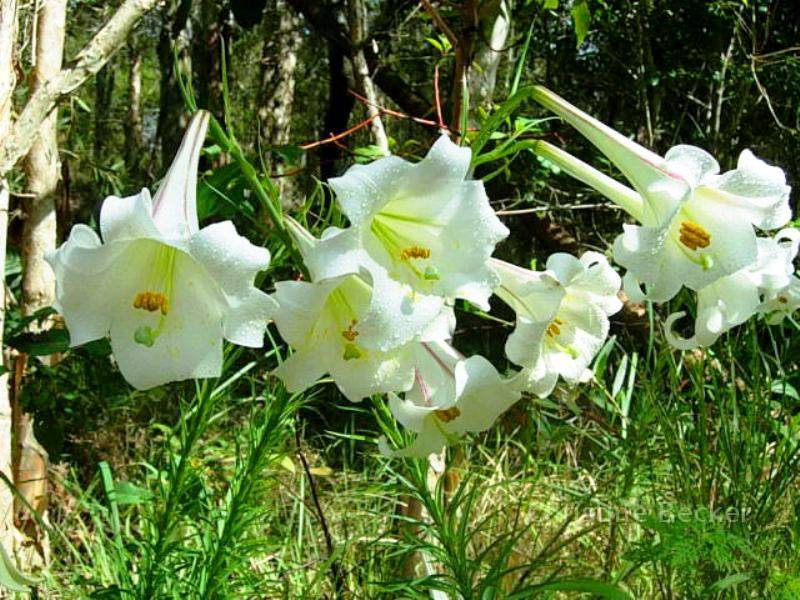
{"x": 269, "y": 198}
{"x": 196, "y": 426}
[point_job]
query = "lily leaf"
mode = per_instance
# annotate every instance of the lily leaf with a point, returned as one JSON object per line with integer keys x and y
{"x": 41, "y": 344}
{"x": 581, "y": 17}
{"x": 12, "y": 578}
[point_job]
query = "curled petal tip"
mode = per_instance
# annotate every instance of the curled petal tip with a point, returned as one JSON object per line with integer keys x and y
{"x": 175, "y": 201}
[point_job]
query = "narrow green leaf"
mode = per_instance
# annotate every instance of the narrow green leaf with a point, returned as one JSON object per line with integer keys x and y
{"x": 589, "y": 586}
{"x": 12, "y": 578}
{"x": 728, "y": 582}
{"x": 522, "y": 55}
{"x": 581, "y": 17}
{"x": 496, "y": 119}
{"x": 784, "y": 388}
{"x": 41, "y": 344}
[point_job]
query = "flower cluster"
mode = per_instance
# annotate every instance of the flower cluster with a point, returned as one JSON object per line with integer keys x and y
{"x": 377, "y": 314}
{"x": 698, "y": 227}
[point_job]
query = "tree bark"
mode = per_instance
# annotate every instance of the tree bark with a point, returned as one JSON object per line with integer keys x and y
{"x": 42, "y": 167}
{"x": 278, "y": 65}
{"x": 133, "y": 150}
{"x": 104, "y": 97}
{"x": 277, "y": 85}
{"x": 8, "y": 81}
{"x": 340, "y": 105}
{"x": 357, "y": 18}
{"x": 215, "y": 30}
{"x": 88, "y": 62}
{"x": 483, "y": 76}
{"x": 175, "y": 37}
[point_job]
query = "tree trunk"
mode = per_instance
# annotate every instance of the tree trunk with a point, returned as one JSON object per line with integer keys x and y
{"x": 215, "y": 30}
{"x": 277, "y": 84}
{"x": 133, "y": 149}
{"x": 172, "y": 117}
{"x": 340, "y": 105}
{"x": 483, "y": 75}
{"x": 278, "y": 65}
{"x": 357, "y": 19}
{"x": 103, "y": 98}
{"x": 8, "y": 81}
{"x": 43, "y": 169}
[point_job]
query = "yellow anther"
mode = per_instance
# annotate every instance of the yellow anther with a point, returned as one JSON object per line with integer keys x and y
{"x": 554, "y": 329}
{"x": 415, "y": 252}
{"x": 350, "y": 334}
{"x": 693, "y": 236}
{"x": 448, "y": 414}
{"x": 151, "y": 301}
{"x": 783, "y": 300}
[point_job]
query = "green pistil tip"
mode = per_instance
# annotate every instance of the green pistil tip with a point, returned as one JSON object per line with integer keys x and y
{"x": 145, "y": 336}
{"x": 706, "y": 262}
{"x": 351, "y": 352}
{"x": 431, "y": 274}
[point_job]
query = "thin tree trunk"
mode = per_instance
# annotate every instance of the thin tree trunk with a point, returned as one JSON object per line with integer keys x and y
{"x": 340, "y": 105}
{"x": 278, "y": 65}
{"x": 357, "y": 19}
{"x": 133, "y": 149}
{"x": 277, "y": 85}
{"x": 86, "y": 63}
{"x": 43, "y": 169}
{"x": 483, "y": 76}
{"x": 207, "y": 54}
{"x": 103, "y": 98}
{"x": 172, "y": 117}
{"x": 8, "y": 81}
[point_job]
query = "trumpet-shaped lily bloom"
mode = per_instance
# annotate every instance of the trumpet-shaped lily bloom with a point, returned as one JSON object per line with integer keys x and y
{"x": 427, "y": 224}
{"x": 764, "y": 287}
{"x": 779, "y": 304}
{"x": 360, "y": 326}
{"x": 452, "y": 395}
{"x": 697, "y": 225}
{"x": 562, "y": 317}
{"x": 165, "y": 291}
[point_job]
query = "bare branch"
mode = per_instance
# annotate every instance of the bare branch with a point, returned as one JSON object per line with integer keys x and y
{"x": 88, "y": 61}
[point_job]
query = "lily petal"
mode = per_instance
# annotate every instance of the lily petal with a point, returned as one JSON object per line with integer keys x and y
{"x": 484, "y": 398}
{"x": 364, "y": 189}
{"x": 756, "y": 189}
{"x": 129, "y": 218}
{"x": 662, "y": 188}
{"x": 229, "y": 257}
{"x": 175, "y": 201}
{"x": 83, "y": 268}
{"x": 302, "y": 369}
{"x": 190, "y": 343}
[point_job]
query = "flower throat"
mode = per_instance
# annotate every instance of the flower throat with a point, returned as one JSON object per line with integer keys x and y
{"x": 157, "y": 294}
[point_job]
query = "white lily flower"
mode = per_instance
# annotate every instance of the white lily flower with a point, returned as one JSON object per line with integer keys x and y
{"x": 562, "y": 317}
{"x": 764, "y": 287}
{"x": 452, "y": 395}
{"x": 779, "y": 304}
{"x": 425, "y": 223}
{"x": 360, "y": 326}
{"x": 166, "y": 292}
{"x": 696, "y": 224}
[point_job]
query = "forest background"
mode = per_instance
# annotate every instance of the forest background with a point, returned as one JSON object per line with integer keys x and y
{"x": 672, "y": 475}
